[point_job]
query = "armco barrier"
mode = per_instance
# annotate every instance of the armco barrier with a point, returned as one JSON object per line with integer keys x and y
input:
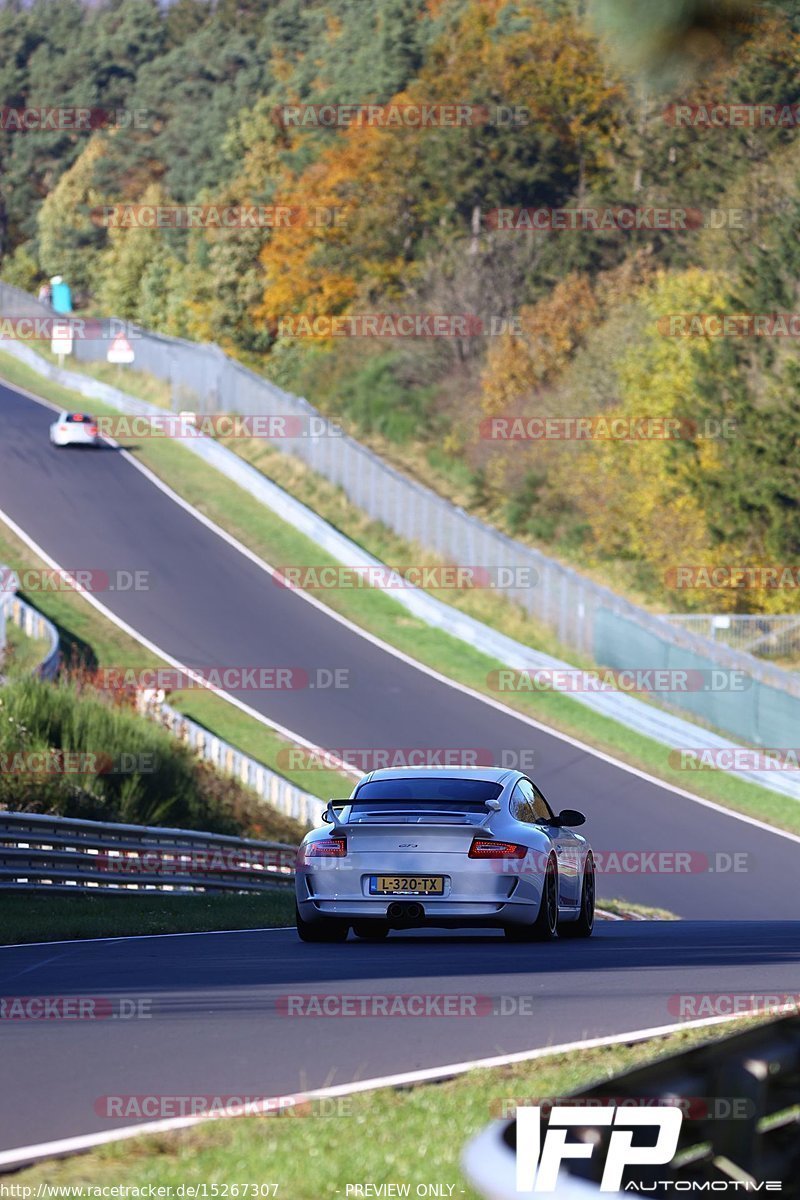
{"x": 5, "y": 601}
{"x": 32, "y": 623}
{"x": 271, "y": 787}
{"x": 60, "y": 854}
{"x": 648, "y": 719}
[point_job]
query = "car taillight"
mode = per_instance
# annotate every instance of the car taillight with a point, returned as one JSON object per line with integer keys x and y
{"x": 93, "y": 430}
{"x": 484, "y": 848}
{"x": 329, "y": 848}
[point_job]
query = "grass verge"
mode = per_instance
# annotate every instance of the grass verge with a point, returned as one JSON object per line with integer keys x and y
{"x": 43, "y": 918}
{"x": 22, "y": 654}
{"x": 401, "y": 1137}
{"x": 280, "y": 544}
{"x": 121, "y": 766}
{"x": 642, "y": 912}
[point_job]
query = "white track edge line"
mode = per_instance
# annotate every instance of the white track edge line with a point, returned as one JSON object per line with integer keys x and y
{"x": 27, "y": 1154}
{"x": 136, "y": 937}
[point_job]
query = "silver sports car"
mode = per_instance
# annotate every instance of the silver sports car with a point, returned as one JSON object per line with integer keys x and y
{"x": 471, "y": 846}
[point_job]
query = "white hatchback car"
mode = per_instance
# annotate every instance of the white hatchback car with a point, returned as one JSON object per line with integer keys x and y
{"x": 454, "y": 848}
{"x": 74, "y": 429}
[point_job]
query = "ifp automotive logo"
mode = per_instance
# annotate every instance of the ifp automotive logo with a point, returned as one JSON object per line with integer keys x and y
{"x": 539, "y": 1159}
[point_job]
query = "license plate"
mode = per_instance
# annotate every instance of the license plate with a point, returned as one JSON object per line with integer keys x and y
{"x": 407, "y": 885}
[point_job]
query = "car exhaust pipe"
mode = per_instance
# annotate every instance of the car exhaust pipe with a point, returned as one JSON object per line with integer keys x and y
{"x": 397, "y": 911}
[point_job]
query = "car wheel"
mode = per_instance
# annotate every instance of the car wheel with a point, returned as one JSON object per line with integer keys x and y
{"x": 582, "y": 928}
{"x": 545, "y": 926}
{"x": 371, "y": 931}
{"x": 326, "y": 930}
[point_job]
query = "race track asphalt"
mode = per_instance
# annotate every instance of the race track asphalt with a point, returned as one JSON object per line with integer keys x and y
{"x": 217, "y": 1023}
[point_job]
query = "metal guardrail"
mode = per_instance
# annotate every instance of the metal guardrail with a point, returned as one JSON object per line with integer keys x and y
{"x": 32, "y": 623}
{"x": 268, "y": 785}
{"x": 5, "y": 600}
{"x": 740, "y": 1098}
{"x": 62, "y": 854}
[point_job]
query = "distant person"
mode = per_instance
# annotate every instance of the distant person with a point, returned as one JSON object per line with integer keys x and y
{"x": 61, "y": 296}
{"x": 45, "y": 294}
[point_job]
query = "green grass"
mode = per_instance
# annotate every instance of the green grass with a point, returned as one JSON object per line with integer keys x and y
{"x": 22, "y": 654}
{"x": 391, "y": 1136}
{"x": 124, "y": 767}
{"x": 265, "y": 534}
{"x": 43, "y": 918}
{"x": 627, "y": 908}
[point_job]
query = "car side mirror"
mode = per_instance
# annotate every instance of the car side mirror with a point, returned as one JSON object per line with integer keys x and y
{"x": 570, "y": 817}
{"x": 493, "y": 805}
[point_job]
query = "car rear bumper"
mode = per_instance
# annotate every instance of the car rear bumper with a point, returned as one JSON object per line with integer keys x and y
{"x": 62, "y": 439}
{"x": 475, "y": 892}
{"x": 448, "y": 913}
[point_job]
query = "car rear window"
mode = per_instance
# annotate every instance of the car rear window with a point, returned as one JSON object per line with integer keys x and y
{"x": 79, "y": 419}
{"x": 456, "y": 795}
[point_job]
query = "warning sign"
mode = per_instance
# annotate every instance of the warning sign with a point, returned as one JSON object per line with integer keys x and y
{"x": 120, "y": 350}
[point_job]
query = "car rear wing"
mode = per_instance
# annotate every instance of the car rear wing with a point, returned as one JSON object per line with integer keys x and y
{"x": 414, "y": 815}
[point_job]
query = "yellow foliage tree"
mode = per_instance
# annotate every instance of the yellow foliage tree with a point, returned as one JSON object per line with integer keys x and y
{"x": 637, "y": 495}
